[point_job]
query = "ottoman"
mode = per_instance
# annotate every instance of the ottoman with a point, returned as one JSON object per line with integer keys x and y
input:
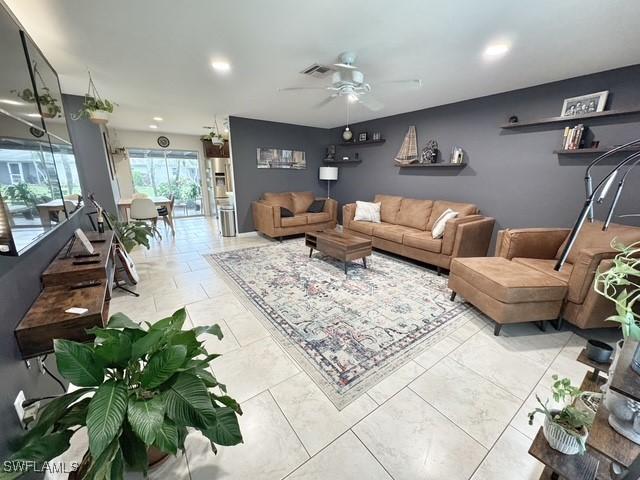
{"x": 507, "y": 291}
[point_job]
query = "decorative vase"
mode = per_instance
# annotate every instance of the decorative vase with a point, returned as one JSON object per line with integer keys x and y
{"x": 559, "y": 439}
{"x": 99, "y": 116}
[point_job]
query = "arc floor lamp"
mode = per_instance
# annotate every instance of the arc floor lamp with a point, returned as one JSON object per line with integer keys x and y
{"x": 599, "y": 193}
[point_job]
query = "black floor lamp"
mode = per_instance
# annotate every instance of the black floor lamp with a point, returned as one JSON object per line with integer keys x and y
{"x": 601, "y": 190}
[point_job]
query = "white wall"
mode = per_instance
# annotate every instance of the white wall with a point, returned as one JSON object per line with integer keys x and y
{"x": 144, "y": 139}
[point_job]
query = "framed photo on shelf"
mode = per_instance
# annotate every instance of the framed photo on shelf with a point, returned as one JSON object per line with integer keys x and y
{"x": 576, "y": 106}
{"x": 376, "y": 136}
{"x": 363, "y": 137}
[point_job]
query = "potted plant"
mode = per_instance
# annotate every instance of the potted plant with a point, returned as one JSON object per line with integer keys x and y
{"x": 96, "y": 110}
{"x": 566, "y": 429}
{"x": 621, "y": 285}
{"x": 22, "y": 193}
{"x": 133, "y": 233}
{"x": 48, "y": 103}
{"x": 140, "y": 391}
{"x": 94, "y": 107}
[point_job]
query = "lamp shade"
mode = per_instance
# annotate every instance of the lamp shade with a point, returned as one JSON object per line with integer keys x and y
{"x": 328, "y": 173}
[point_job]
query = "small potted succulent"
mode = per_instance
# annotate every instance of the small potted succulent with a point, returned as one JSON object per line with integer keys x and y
{"x": 140, "y": 390}
{"x": 566, "y": 429}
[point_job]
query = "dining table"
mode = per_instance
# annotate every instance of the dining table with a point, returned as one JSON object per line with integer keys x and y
{"x": 124, "y": 205}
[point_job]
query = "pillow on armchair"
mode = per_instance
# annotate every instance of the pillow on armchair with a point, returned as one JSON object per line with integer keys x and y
{"x": 441, "y": 223}
{"x": 367, "y": 212}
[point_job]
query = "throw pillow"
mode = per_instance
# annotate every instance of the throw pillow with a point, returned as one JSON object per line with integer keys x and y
{"x": 316, "y": 207}
{"x": 367, "y": 212}
{"x": 285, "y": 212}
{"x": 441, "y": 222}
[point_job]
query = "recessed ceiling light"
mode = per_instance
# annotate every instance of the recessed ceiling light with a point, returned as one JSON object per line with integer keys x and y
{"x": 153, "y": 126}
{"x": 10, "y": 102}
{"x": 158, "y": 119}
{"x": 221, "y": 66}
{"x": 496, "y": 50}
{"x": 33, "y": 115}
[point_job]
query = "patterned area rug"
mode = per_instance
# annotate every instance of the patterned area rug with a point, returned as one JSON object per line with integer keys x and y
{"x": 347, "y": 332}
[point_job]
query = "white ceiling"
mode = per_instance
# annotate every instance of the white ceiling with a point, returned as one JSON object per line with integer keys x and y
{"x": 153, "y": 56}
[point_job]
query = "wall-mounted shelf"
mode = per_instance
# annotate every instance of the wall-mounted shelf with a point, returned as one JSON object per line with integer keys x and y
{"x": 338, "y": 162}
{"x": 432, "y": 165}
{"x": 560, "y": 120}
{"x": 590, "y": 151}
{"x": 357, "y": 144}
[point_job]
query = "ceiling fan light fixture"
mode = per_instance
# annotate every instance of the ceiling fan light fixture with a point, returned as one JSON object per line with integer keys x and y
{"x": 352, "y": 98}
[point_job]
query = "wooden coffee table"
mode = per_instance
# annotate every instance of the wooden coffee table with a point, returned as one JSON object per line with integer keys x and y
{"x": 341, "y": 246}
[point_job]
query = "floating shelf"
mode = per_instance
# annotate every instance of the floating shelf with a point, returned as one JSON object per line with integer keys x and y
{"x": 577, "y": 118}
{"x": 337, "y": 162}
{"x": 433, "y": 165}
{"x": 368, "y": 142}
{"x": 590, "y": 151}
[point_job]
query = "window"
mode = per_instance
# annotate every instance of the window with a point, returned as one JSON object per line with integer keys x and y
{"x": 168, "y": 172}
{"x": 15, "y": 173}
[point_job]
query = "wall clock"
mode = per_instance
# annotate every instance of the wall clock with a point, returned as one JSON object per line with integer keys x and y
{"x": 36, "y": 132}
{"x": 163, "y": 141}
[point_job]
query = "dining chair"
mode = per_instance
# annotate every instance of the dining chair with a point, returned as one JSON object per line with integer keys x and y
{"x": 144, "y": 209}
{"x": 167, "y": 213}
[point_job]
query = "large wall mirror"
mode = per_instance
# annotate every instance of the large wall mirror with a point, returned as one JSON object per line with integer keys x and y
{"x": 39, "y": 184}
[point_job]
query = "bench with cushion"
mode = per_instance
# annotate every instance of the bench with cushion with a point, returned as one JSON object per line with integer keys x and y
{"x": 406, "y": 229}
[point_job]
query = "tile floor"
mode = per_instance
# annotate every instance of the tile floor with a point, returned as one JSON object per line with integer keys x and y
{"x": 457, "y": 411}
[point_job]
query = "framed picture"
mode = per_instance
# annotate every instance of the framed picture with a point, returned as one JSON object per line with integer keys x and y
{"x": 376, "y": 136}
{"x": 362, "y": 137}
{"x": 279, "y": 158}
{"x": 576, "y": 106}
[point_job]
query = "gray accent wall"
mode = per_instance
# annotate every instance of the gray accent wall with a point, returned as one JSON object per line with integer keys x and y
{"x": 91, "y": 154}
{"x": 20, "y": 282}
{"x": 512, "y": 175}
{"x": 247, "y": 135}
{"x": 19, "y": 287}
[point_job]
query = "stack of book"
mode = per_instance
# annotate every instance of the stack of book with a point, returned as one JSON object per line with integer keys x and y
{"x": 572, "y": 137}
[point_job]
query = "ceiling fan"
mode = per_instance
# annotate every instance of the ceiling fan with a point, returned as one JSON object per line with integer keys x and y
{"x": 348, "y": 81}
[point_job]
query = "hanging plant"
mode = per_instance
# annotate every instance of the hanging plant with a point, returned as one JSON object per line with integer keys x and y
{"x": 48, "y": 103}
{"x": 214, "y": 135}
{"x": 94, "y": 107}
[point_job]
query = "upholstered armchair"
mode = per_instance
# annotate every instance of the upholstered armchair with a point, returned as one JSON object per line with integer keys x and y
{"x": 539, "y": 249}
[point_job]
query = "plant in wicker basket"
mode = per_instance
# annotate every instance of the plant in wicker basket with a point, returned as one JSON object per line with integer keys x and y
{"x": 141, "y": 389}
{"x": 565, "y": 429}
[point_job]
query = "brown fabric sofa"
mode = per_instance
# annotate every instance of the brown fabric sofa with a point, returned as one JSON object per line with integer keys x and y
{"x": 406, "y": 224}
{"x": 520, "y": 284}
{"x": 267, "y": 218}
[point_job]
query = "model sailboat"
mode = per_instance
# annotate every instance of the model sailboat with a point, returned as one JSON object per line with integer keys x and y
{"x": 408, "y": 152}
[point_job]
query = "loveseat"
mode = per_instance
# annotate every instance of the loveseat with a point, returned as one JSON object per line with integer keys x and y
{"x": 520, "y": 283}
{"x": 406, "y": 224}
{"x": 269, "y": 219}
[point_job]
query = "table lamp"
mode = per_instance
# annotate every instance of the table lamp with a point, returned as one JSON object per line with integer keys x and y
{"x": 328, "y": 174}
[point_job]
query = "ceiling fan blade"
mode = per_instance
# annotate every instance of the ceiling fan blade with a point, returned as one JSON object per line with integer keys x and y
{"x": 348, "y": 66}
{"x": 415, "y": 82}
{"x": 290, "y": 89}
{"x": 326, "y": 101}
{"x": 370, "y": 102}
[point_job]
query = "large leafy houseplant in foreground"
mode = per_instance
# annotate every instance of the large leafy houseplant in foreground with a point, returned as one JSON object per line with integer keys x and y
{"x": 141, "y": 389}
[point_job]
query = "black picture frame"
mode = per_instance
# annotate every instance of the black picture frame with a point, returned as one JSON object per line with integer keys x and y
{"x": 363, "y": 136}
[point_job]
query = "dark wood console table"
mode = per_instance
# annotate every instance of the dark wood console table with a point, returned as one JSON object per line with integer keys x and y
{"x": 605, "y": 446}
{"x": 47, "y": 318}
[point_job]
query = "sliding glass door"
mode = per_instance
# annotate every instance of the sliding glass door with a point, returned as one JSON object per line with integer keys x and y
{"x": 162, "y": 173}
